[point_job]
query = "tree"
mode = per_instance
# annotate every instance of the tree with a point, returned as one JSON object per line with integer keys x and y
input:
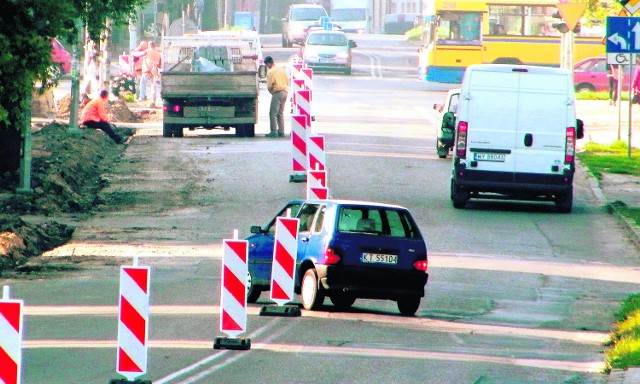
{"x": 26, "y": 30}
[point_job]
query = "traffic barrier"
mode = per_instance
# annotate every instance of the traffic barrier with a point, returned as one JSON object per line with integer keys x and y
{"x": 11, "y": 330}
{"x": 233, "y": 294}
{"x": 296, "y": 85}
{"x": 303, "y": 105}
{"x": 317, "y": 178}
{"x": 319, "y": 193}
{"x": 298, "y": 148}
{"x": 316, "y": 152}
{"x": 283, "y": 268}
{"x": 133, "y": 322}
{"x": 306, "y": 74}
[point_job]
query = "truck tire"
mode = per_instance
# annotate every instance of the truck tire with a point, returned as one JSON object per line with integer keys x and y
{"x": 459, "y": 197}
{"x": 564, "y": 201}
{"x": 249, "y": 130}
{"x": 167, "y": 130}
{"x": 178, "y": 131}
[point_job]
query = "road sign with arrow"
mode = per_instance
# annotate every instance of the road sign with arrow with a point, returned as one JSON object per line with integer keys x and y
{"x": 623, "y": 39}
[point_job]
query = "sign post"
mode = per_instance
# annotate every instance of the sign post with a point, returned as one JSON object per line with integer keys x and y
{"x": 622, "y": 46}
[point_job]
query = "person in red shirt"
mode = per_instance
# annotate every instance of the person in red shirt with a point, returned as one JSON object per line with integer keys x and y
{"x": 94, "y": 115}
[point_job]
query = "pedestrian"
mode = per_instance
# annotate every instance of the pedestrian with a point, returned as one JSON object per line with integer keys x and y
{"x": 277, "y": 85}
{"x": 614, "y": 77}
{"x": 150, "y": 72}
{"x": 90, "y": 86}
{"x": 136, "y": 60}
{"x": 94, "y": 115}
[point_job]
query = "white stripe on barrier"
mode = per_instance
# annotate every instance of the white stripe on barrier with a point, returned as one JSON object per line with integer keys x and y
{"x": 233, "y": 292}
{"x": 11, "y": 329}
{"x": 284, "y": 260}
{"x": 316, "y": 152}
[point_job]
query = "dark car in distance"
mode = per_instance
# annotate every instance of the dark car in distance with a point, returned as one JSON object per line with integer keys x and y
{"x": 347, "y": 250}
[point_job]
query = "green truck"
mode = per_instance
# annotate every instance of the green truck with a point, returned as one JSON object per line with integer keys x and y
{"x": 210, "y": 80}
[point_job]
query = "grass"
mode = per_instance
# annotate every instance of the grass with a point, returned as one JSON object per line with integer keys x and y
{"x": 625, "y": 340}
{"x": 612, "y": 158}
{"x": 602, "y": 95}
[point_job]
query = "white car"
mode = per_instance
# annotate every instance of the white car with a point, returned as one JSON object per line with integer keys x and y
{"x": 328, "y": 50}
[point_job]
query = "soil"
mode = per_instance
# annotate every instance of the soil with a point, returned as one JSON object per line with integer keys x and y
{"x": 66, "y": 178}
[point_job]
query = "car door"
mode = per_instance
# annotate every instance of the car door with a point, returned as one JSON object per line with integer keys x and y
{"x": 261, "y": 246}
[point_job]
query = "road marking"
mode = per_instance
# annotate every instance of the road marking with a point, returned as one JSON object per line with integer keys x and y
{"x": 563, "y": 365}
{"x": 383, "y": 154}
{"x": 416, "y": 323}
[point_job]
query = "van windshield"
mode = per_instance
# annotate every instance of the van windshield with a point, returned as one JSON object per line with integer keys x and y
{"x": 345, "y": 14}
{"x": 307, "y": 14}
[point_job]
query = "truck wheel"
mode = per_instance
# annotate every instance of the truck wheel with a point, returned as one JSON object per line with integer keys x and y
{"x": 310, "y": 296}
{"x": 458, "y": 196}
{"x": 178, "y": 131}
{"x": 408, "y": 305}
{"x": 564, "y": 201}
{"x": 249, "y": 130}
{"x": 167, "y": 130}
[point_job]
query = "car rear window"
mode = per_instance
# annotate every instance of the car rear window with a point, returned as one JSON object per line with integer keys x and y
{"x": 377, "y": 221}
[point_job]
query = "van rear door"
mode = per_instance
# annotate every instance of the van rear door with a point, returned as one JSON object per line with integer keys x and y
{"x": 545, "y": 110}
{"x": 493, "y": 98}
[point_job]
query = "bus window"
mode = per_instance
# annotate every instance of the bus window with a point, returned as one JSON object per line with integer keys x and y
{"x": 459, "y": 28}
{"x": 523, "y": 20}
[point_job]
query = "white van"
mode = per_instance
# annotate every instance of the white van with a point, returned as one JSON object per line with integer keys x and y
{"x": 516, "y": 131}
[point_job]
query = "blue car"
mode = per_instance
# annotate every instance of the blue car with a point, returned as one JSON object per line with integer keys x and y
{"x": 347, "y": 250}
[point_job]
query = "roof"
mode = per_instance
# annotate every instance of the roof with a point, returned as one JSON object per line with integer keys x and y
{"x": 350, "y": 202}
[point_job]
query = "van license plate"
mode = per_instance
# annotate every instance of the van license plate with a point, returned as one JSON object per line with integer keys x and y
{"x": 379, "y": 258}
{"x": 489, "y": 157}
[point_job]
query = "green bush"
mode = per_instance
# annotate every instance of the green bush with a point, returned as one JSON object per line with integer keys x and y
{"x": 630, "y": 305}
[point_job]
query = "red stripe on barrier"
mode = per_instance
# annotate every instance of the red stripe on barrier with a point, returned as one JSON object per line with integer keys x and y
{"x": 234, "y": 286}
{"x": 239, "y": 248}
{"x": 132, "y": 319}
{"x": 9, "y": 368}
{"x": 297, "y": 166}
{"x": 284, "y": 259}
{"x": 139, "y": 276}
{"x": 228, "y": 324}
{"x": 125, "y": 363}
{"x": 299, "y": 143}
{"x": 291, "y": 226}
{"x": 320, "y": 192}
{"x": 278, "y": 293}
{"x": 305, "y": 95}
{"x": 11, "y": 312}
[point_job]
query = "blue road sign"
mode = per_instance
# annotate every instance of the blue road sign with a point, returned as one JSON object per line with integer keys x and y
{"x": 623, "y": 34}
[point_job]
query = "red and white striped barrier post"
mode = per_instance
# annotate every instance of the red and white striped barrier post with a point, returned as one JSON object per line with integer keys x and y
{"x": 317, "y": 185}
{"x": 285, "y": 253}
{"x": 11, "y": 330}
{"x": 233, "y": 294}
{"x": 133, "y": 322}
{"x": 306, "y": 74}
{"x": 316, "y": 152}
{"x": 298, "y": 148}
{"x": 296, "y": 85}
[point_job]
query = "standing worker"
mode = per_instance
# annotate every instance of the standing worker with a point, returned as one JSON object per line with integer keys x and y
{"x": 277, "y": 85}
{"x": 614, "y": 78}
{"x": 150, "y": 71}
{"x": 94, "y": 115}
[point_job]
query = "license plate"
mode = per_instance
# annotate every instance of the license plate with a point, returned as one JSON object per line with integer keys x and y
{"x": 489, "y": 157}
{"x": 379, "y": 258}
{"x": 322, "y": 60}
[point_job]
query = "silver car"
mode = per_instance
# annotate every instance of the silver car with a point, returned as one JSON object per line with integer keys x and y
{"x": 328, "y": 50}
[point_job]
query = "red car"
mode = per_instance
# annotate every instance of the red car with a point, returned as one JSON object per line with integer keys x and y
{"x": 60, "y": 56}
{"x": 590, "y": 74}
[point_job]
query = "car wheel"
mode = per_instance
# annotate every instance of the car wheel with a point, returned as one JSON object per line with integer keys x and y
{"x": 458, "y": 196}
{"x": 310, "y": 296}
{"x": 167, "y": 130}
{"x": 253, "y": 293}
{"x": 585, "y": 87}
{"x": 408, "y": 305}
{"x": 342, "y": 301}
{"x": 564, "y": 201}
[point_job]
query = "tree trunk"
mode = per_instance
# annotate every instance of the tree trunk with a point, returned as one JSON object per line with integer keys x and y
{"x": 10, "y": 143}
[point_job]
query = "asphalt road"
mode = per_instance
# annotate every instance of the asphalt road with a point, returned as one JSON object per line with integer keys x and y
{"x": 517, "y": 293}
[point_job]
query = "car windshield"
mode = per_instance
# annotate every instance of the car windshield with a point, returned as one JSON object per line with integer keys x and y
{"x": 327, "y": 39}
{"x": 307, "y": 14}
{"x": 377, "y": 221}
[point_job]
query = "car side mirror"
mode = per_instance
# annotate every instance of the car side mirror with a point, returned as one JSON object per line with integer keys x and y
{"x": 352, "y": 44}
{"x": 449, "y": 120}
{"x": 579, "y": 129}
{"x": 256, "y": 229}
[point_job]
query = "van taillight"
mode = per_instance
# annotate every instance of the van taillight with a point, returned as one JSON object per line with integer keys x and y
{"x": 329, "y": 257}
{"x": 421, "y": 265}
{"x": 570, "y": 146}
{"x": 461, "y": 144}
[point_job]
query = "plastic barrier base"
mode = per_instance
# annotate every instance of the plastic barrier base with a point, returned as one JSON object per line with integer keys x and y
{"x": 241, "y": 344}
{"x": 125, "y": 381}
{"x": 297, "y": 177}
{"x": 277, "y": 310}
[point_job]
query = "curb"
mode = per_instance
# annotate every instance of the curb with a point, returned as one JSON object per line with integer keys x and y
{"x": 630, "y": 227}
{"x": 624, "y": 376}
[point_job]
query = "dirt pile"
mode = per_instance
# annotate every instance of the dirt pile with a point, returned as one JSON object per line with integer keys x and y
{"x": 66, "y": 178}
{"x": 117, "y": 110}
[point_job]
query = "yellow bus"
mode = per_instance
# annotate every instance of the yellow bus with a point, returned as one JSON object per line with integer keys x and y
{"x": 459, "y": 33}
